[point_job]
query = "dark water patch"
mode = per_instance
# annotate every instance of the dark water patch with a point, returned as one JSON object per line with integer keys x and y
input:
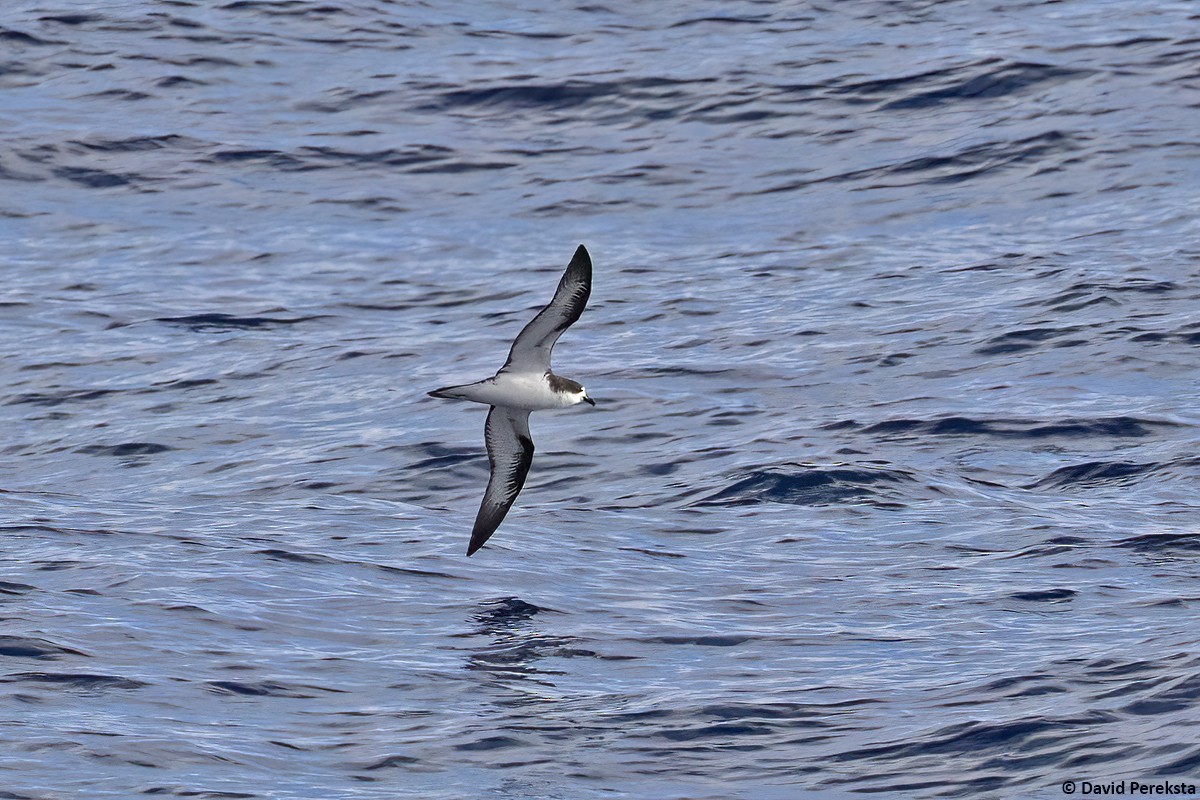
{"x": 668, "y": 372}
{"x": 1096, "y": 473}
{"x": 185, "y": 383}
{"x": 998, "y": 81}
{"x": 94, "y": 178}
{"x": 387, "y": 204}
{"x": 1020, "y": 686}
{"x": 871, "y": 90}
{"x": 43, "y": 528}
{"x": 575, "y": 208}
{"x": 391, "y": 157}
{"x": 30, "y": 647}
{"x": 1030, "y": 733}
{"x": 700, "y": 641}
{"x": 124, "y": 449}
{"x": 1017, "y": 341}
{"x": 519, "y": 658}
{"x": 58, "y": 398}
{"x": 387, "y": 762}
{"x": 721, "y": 731}
{"x": 121, "y": 94}
{"x": 71, "y": 19}
{"x": 272, "y": 158}
{"x": 411, "y": 572}
{"x": 265, "y": 689}
{"x": 216, "y": 322}
{"x": 1055, "y": 545}
{"x": 964, "y": 165}
{"x": 1163, "y": 543}
{"x": 172, "y": 81}
{"x": 1044, "y": 595}
{"x": 639, "y": 94}
{"x": 216, "y": 794}
{"x": 12, "y": 587}
{"x": 1187, "y": 764}
{"x": 453, "y": 167}
{"x": 440, "y": 456}
{"x": 1088, "y": 293}
{"x": 720, "y": 21}
{"x": 1108, "y": 668}
{"x": 492, "y": 743}
{"x": 801, "y": 484}
{"x": 505, "y": 612}
{"x": 299, "y": 558}
{"x": 266, "y": 6}
{"x": 76, "y": 680}
{"x": 1182, "y": 695}
{"x": 562, "y": 95}
{"x": 343, "y": 100}
{"x": 805, "y": 713}
{"x": 12, "y": 36}
{"x": 1183, "y": 335}
{"x": 133, "y": 144}
{"x": 1012, "y": 428}
{"x": 655, "y": 553}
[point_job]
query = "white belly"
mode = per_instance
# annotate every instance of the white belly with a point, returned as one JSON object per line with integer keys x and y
{"x": 528, "y": 392}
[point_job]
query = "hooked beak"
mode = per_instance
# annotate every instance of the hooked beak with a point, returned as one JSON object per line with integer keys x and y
{"x": 589, "y": 400}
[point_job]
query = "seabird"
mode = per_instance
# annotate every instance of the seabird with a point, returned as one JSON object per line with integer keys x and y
{"x": 524, "y": 384}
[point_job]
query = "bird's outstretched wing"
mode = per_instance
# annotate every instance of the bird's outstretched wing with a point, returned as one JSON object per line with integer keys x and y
{"x": 531, "y": 349}
{"x": 510, "y": 452}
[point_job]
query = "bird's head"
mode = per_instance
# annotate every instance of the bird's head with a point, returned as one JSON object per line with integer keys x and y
{"x": 571, "y": 393}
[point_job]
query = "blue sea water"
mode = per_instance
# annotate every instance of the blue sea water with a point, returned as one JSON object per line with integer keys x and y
{"x": 890, "y": 490}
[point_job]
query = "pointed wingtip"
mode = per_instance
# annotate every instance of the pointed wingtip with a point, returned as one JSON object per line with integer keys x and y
{"x": 477, "y": 540}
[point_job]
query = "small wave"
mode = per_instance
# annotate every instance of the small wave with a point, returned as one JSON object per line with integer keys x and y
{"x": 1101, "y": 473}
{"x": 1013, "y": 428}
{"x": 1164, "y": 543}
{"x": 32, "y": 647}
{"x": 265, "y": 689}
{"x": 216, "y": 322}
{"x": 700, "y": 641}
{"x": 124, "y": 449}
{"x": 999, "y": 81}
{"x": 506, "y": 611}
{"x": 20, "y": 37}
{"x": 133, "y": 144}
{"x": 58, "y": 398}
{"x": 1044, "y": 595}
{"x": 963, "y": 165}
{"x": 96, "y": 178}
{"x": 1026, "y": 339}
{"x": 982, "y": 737}
{"x": 800, "y": 484}
{"x": 78, "y": 680}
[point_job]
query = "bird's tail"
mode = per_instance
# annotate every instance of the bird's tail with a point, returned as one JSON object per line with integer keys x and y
{"x": 450, "y": 392}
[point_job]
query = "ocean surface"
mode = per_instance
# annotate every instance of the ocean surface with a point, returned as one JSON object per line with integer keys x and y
{"x": 891, "y": 488}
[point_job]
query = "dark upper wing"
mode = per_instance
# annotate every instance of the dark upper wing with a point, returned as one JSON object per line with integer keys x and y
{"x": 510, "y": 452}
{"x": 531, "y": 350}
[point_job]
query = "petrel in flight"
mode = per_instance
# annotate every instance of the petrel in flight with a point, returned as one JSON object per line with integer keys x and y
{"x": 524, "y": 384}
